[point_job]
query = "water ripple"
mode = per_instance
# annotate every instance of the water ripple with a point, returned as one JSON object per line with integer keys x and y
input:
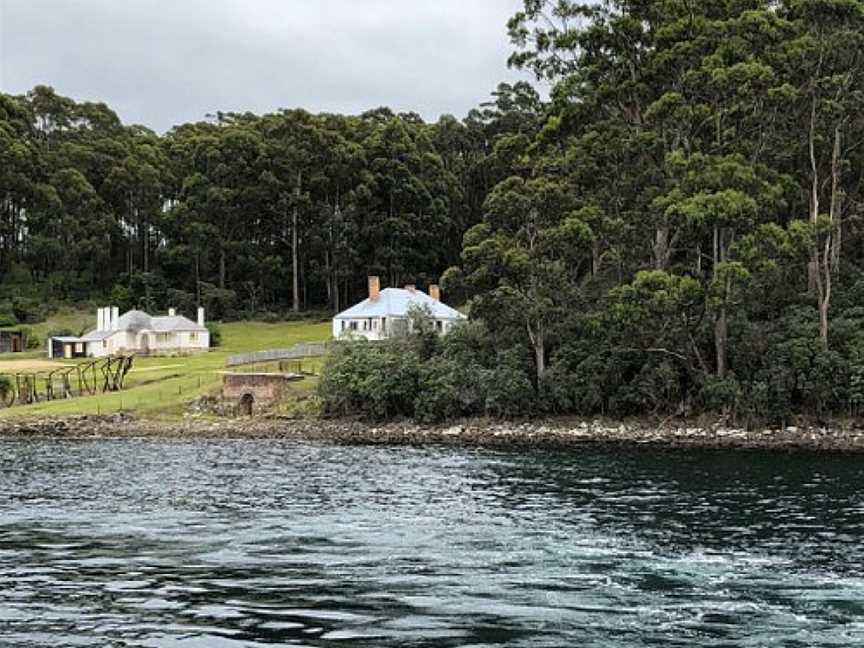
{"x": 168, "y": 544}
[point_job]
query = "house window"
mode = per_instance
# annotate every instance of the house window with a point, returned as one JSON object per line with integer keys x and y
{"x": 104, "y": 344}
{"x": 353, "y": 325}
{"x": 193, "y": 337}
{"x": 79, "y": 347}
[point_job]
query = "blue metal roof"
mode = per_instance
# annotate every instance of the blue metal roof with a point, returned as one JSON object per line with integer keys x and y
{"x": 396, "y": 302}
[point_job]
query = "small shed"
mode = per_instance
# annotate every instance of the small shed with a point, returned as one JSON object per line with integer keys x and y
{"x": 68, "y": 347}
{"x": 12, "y": 341}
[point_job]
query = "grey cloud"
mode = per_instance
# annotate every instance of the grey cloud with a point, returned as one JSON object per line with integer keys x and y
{"x": 162, "y": 62}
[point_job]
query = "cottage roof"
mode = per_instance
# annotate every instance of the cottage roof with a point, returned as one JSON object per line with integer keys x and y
{"x": 136, "y": 320}
{"x": 396, "y": 302}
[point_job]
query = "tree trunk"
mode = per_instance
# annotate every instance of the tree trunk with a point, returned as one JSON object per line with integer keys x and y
{"x": 538, "y": 341}
{"x": 595, "y": 258}
{"x": 813, "y": 266}
{"x": 197, "y": 279}
{"x": 145, "y": 241}
{"x": 661, "y": 248}
{"x": 222, "y": 266}
{"x": 836, "y": 230}
{"x": 721, "y": 324}
{"x": 294, "y": 261}
{"x": 721, "y": 335}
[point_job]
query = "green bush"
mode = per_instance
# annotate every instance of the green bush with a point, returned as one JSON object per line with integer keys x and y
{"x": 721, "y": 394}
{"x": 7, "y": 316}
{"x": 373, "y": 380}
{"x": 508, "y": 388}
{"x": 31, "y": 340}
{"x": 5, "y": 386}
{"x": 29, "y": 311}
{"x": 448, "y": 388}
{"x": 215, "y": 329}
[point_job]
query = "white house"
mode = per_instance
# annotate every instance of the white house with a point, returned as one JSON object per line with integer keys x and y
{"x": 385, "y": 313}
{"x": 135, "y": 332}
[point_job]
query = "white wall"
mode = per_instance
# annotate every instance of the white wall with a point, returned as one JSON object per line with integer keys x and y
{"x": 129, "y": 342}
{"x": 375, "y": 330}
{"x": 371, "y": 329}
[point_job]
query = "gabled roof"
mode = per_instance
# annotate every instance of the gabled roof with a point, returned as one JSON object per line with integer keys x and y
{"x": 396, "y": 302}
{"x": 174, "y": 323}
{"x": 136, "y": 320}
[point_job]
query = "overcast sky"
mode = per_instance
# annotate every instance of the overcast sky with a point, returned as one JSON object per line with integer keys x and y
{"x": 163, "y": 62}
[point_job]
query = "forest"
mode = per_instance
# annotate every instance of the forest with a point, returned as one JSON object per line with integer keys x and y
{"x": 675, "y": 230}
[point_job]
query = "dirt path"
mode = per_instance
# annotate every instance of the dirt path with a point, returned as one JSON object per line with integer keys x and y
{"x": 12, "y": 366}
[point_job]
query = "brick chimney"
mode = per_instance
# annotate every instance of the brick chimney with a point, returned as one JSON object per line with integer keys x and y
{"x": 171, "y": 312}
{"x": 374, "y": 288}
{"x": 411, "y": 288}
{"x": 200, "y": 316}
{"x": 435, "y": 292}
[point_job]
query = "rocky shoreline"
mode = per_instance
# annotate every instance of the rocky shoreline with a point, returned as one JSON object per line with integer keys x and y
{"x": 560, "y": 433}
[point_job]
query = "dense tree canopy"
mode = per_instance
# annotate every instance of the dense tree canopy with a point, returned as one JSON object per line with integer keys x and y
{"x": 703, "y": 162}
{"x": 677, "y": 229}
{"x": 243, "y": 213}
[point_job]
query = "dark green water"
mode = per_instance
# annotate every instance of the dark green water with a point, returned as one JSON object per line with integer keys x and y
{"x": 229, "y": 544}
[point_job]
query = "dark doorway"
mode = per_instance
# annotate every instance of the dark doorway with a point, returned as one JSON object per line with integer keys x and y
{"x": 246, "y": 404}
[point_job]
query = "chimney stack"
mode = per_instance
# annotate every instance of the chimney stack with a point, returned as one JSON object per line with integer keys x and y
{"x": 200, "y": 316}
{"x": 411, "y": 288}
{"x": 435, "y": 292}
{"x": 100, "y": 319}
{"x": 115, "y": 317}
{"x": 171, "y": 312}
{"x": 374, "y": 288}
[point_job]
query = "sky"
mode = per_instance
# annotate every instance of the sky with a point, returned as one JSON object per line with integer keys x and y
{"x": 165, "y": 62}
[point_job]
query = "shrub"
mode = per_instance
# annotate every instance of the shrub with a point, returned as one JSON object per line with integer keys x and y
{"x": 5, "y": 387}
{"x": 215, "y": 329}
{"x": 121, "y": 297}
{"x": 7, "y": 316}
{"x": 508, "y": 388}
{"x": 219, "y": 302}
{"x": 268, "y": 316}
{"x": 556, "y": 390}
{"x": 721, "y": 394}
{"x": 448, "y": 388}
{"x": 31, "y": 340}
{"x": 28, "y": 310}
{"x": 438, "y": 391}
{"x": 373, "y": 380}
{"x": 182, "y": 300}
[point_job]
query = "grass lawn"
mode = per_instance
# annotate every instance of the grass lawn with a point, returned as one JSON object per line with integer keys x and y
{"x": 159, "y": 388}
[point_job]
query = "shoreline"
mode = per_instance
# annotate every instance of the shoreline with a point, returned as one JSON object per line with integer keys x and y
{"x": 540, "y": 433}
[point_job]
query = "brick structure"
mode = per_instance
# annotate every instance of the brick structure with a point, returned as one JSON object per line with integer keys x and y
{"x": 253, "y": 391}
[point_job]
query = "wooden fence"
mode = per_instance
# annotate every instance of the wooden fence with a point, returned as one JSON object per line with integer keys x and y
{"x": 298, "y": 351}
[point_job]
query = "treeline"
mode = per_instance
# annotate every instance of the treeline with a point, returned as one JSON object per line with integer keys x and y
{"x": 247, "y": 215}
{"x": 683, "y": 234}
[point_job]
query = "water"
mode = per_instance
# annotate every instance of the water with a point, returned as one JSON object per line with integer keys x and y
{"x": 239, "y": 543}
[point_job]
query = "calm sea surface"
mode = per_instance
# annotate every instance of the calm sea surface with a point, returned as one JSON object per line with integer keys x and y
{"x": 239, "y": 543}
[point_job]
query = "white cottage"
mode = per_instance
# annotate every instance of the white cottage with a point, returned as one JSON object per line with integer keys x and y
{"x": 134, "y": 332}
{"x": 385, "y": 313}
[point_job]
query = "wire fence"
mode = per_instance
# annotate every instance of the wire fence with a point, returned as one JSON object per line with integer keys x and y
{"x": 170, "y": 394}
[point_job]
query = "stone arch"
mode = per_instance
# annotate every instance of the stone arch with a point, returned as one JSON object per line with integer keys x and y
{"x": 246, "y": 405}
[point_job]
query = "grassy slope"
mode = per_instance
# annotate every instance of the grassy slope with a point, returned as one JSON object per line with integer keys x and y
{"x": 159, "y": 387}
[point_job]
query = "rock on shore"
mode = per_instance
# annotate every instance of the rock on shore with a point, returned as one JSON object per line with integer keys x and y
{"x": 481, "y": 432}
